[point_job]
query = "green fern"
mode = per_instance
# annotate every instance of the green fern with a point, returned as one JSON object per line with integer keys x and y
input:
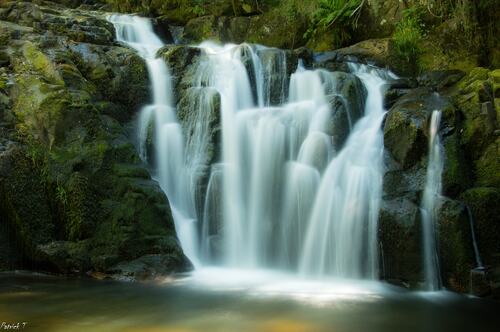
{"x": 408, "y": 37}
{"x": 337, "y": 16}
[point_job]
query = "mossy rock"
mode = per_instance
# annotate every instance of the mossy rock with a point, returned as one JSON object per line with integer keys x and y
{"x": 455, "y": 245}
{"x": 22, "y": 186}
{"x": 483, "y": 202}
{"x": 405, "y": 134}
{"x": 399, "y": 234}
{"x": 202, "y": 28}
{"x": 457, "y": 173}
{"x": 274, "y": 29}
{"x": 487, "y": 167}
{"x": 474, "y": 98}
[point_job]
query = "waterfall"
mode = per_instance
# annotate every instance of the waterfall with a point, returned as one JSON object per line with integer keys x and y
{"x": 477, "y": 256}
{"x": 285, "y": 199}
{"x": 341, "y": 238}
{"x": 297, "y": 185}
{"x": 430, "y": 205}
{"x": 172, "y": 173}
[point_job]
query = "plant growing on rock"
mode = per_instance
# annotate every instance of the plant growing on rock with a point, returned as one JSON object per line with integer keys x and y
{"x": 407, "y": 38}
{"x": 338, "y": 17}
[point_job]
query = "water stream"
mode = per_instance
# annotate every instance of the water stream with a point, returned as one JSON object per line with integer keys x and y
{"x": 430, "y": 206}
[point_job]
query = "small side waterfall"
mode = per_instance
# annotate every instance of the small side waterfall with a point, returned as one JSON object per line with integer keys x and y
{"x": 477, "y": 256}
{"x": 431, "y": 204}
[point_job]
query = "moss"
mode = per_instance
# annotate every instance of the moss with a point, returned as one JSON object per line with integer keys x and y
{"x": 404, "y": 136}
{"x": 470, "y": 82}
{"x": 472, "y": 99}
{"x": 41, "y": 63}
{"x": 81, "y": 210}
{"x": 455, "y": 245}
{"x": 133, "y": 171}
{"x": 483, "y": 202}
{"x": 22, "y": 188}
{"x": 488, "y": 166}
{"x": 40, "y": 108}
{"x": 276, "y": 29}
{"x": 202, "y": 28}
{"x": 456, "y": 173}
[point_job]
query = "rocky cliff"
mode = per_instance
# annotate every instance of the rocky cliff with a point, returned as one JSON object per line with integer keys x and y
{"x": 74, "y": 194}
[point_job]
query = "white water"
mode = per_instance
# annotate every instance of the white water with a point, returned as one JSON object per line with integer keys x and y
{"x": 430, "y": 206}
{"x": 173, "y": 175}
{"x": 287, "y": 200}
{"x": 477, "y": 255}
{"x": 282, "y": 195}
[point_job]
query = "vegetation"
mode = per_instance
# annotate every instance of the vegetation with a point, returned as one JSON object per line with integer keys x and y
{"x": 338, "y": 17}
{"x": 407, "y": 38}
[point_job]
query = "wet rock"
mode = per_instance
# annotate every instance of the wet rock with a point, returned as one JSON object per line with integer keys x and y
{"x": 180, "y": 59}
{"x": 440, "y": 79}
{"x": 479, "y": 283}
{"x": 372, "y": 51}
{"x": 405, "y": 128}
{"x": 149, "y": 267}
{"x": 455, "y": 245}
{"x": 483, "y": 202}
{"x": 399, "y": 235}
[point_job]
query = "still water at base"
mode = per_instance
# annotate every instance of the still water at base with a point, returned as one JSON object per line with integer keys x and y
{"x": 237, "y": 301}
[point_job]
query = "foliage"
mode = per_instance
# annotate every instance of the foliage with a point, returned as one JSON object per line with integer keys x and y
{"x": 197, "y": 9}
{"x": 61, "y": 195}
{"x": 338, "y": 16}
{"x": 408, "y": 36}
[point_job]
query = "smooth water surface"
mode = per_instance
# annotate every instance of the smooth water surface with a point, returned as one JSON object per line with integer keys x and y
{"x": 192, "y": 304}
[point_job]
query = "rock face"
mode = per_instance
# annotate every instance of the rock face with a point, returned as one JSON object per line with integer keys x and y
{"x": 469, "y": 136}
{"x": 74, "y": 194}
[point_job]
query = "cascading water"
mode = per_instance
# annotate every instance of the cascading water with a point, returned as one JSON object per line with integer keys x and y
{"x": 174, "y": 179}
{"x": 288, "y": 191}
{"x": 287, "y": 201}
{"x": 430, "y": 206}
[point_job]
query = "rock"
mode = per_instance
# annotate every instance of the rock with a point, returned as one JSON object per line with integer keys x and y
{"x": 457, "y": 173}
{"x": 21, "y": 185}
{"x": 348, "y": 106}
{"x": 199, "y": 113}
{"x": 180, "y": 59}
{"x": 474, "y": 99}
{"x": 406, "y": 125}
{"x": 399, "y": 235}
{"x": 65, "y": 256}
{"x": 372, "y": 51}
{"x": 73, "y": 91}
{"x": 149, "y": 267}
{"x": 391, "y": 96}
{"x": 203, "y": 28}
{"x": 274, "y": 29}
{"x": 479, "y": 284}
{"x": 440, "y": 79}
{"x": 483, "y": 202}
{"x": 487, "y": 167}
{"x": 455, "y": 245}
{"x": 405, "y": 134}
